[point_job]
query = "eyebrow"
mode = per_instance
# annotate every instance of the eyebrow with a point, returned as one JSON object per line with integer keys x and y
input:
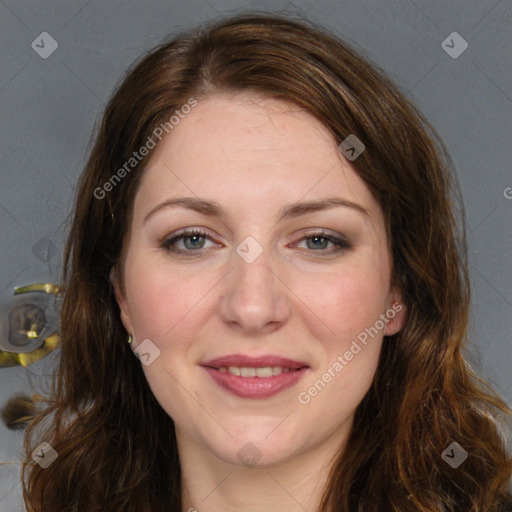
{"x": 214, "y": 209}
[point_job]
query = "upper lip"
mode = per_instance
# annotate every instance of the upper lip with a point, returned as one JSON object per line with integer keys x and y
{"x": 241, "y": 360}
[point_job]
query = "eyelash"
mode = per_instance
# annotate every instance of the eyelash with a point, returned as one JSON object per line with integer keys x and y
{"x": 341, "y": 244}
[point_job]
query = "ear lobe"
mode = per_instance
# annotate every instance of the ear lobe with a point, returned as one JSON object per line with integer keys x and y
{"x": 121, "y": 301}
{"x": 115, "y": 285}
{"x": 396, "y": 314}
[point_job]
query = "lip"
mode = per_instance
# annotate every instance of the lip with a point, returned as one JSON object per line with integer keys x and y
{"x": 255, "y": 387}
{"x": 254, "y": 362}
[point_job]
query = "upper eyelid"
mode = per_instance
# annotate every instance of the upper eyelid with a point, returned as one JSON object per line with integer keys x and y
{"x": 203, "y": 232}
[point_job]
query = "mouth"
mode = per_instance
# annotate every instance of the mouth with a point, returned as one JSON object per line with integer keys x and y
{"x": 249, "y": 371}
{"x": 255, "y": 377}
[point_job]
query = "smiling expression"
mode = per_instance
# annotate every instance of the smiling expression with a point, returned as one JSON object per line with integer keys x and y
{"x": 254, "y": 244}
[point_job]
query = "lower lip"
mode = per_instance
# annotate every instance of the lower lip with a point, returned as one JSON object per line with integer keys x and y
{"x": 255, "y": 387}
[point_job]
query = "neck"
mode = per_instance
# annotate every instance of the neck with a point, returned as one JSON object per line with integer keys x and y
{"x": 210, "y": 484}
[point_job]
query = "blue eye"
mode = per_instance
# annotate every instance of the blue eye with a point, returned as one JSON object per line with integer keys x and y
{"x": 320, "y": 239}
{"x": 193, "y": 236}
{"x": 194, "y": 239}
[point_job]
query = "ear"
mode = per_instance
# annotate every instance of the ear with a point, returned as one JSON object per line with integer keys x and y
{"x": 121, "y": 301}
{"x": 396, "y": 313}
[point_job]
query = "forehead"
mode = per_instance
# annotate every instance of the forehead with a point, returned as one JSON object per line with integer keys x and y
{"x": 244, "y": 150}
{"x": 247, "y": 127}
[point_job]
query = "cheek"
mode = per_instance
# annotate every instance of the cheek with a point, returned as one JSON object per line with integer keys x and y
{"x": 350, "y": 304}
{"x": 160, "y": 299}
{"x": 345, "y": 302}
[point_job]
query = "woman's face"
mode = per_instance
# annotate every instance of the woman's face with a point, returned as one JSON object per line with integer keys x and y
{"x": 265, "y": 331}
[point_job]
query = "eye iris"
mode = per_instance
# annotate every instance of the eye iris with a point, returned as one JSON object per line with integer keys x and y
{"x": 316, "y": 238}
{"x": 190, "y": 237}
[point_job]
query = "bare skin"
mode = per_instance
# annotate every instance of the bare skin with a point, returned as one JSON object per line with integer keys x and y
{"x": 302, "y": 298}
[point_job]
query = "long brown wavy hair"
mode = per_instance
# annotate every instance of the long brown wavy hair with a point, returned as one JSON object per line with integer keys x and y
{"x": 116, "y": 445}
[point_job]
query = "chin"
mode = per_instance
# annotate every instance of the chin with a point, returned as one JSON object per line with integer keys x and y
{"x": 257, "y": 445}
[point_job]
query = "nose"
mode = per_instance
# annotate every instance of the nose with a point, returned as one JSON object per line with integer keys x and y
{"x": 255, "y": 299}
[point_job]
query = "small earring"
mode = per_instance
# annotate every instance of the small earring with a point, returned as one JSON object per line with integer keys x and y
{"x": 129, "y": 339}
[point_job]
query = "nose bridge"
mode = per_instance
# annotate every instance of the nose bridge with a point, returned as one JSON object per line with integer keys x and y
{"x": 255, "y": 276}
{"x": 254, "y": 297}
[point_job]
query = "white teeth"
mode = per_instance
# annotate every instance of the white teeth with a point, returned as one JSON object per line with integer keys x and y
{"x": 247, "y": 372}
{"x": 266, "y": 371}
{"x": 276, "y": 370}
{"x": 242, "y": 371}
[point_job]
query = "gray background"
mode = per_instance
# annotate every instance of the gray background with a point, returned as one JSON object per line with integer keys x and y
{"x": 49, "y": 107}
